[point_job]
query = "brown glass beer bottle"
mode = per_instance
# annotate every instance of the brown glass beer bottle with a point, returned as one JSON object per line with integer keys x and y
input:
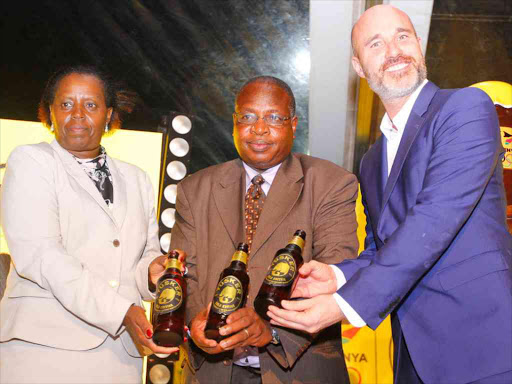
{"x": 231, "y": 293}
{"x": 169, "y": 307}
{"x": 281, "y": 276}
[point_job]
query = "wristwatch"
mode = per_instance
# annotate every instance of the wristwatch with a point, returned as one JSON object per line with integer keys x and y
{"x": 275, "y": 337}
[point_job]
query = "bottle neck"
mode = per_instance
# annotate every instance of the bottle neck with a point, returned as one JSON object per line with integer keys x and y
{"x": 238, "y": 265}
{"x": 173, "y": 265}
{"x": 296, "y": 242}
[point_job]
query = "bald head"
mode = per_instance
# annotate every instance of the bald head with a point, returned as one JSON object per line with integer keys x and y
{"x": 381, "y": 13}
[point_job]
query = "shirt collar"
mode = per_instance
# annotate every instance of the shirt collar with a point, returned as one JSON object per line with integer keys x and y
{"x": 400, "y": 120}
{"x": 268, "y": 174}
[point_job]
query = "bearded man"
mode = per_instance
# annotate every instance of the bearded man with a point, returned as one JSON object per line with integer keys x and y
{"x": 438, "y": 253}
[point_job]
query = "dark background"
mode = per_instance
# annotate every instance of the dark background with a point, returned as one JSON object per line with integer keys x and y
{"x": 192, "y": 56}
{"x": 188, "y": 56}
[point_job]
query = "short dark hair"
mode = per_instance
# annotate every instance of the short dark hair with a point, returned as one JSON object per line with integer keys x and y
{"x": 121, "y": 101}
{"x": 278, "y": 82}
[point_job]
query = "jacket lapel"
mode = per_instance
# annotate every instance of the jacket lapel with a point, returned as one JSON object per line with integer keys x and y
{"x": 375, "y": 175}
{"x": 282, "y": 196}
{"x": 76, "y": 172}
{"x": 413, "y": 126}
{"x": 229, "y": 189}
{"x": 120, "y": 196}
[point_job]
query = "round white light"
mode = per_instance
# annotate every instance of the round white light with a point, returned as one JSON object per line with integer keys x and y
{"x": 170, "y": 193}
{"x": 165, "y": 242}
{"x": 162, "y": 355}
{"x": 160, "y": 374}
{"x": 179, "y": 147}
{"x": 168, "y": 217}
{"x": 176, "y": 170}
{"x": 182, "y": 124}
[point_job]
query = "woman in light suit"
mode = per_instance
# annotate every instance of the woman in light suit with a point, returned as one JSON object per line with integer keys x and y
{"x": 83, "y": 237}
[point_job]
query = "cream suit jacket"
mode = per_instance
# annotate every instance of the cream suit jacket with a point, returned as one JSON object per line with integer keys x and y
{"x": 77, "y": 265}
{"x": 307, "y": 193}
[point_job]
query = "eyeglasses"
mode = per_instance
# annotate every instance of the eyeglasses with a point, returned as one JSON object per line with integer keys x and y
{"x": 250, "y": 119}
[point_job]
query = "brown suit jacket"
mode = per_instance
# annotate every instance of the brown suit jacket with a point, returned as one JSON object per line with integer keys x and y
{"x": 307, "y": 193}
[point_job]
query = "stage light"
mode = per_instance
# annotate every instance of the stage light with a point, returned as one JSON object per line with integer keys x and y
{"x": 168, "y": 217}
{"x": 179, "y": 147}
{"x": 170, "y": 193}
{"x": 165, "y": 241}
{"x": 181, "y": 124}
{"x": 176, "y": 170}
{"x": 160, "y": 374}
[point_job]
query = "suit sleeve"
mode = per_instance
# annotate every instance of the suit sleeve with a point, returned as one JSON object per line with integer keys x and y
{"x": 30, "y": 219}
{"x": 334, "y": 240}
{"x": 465, "y": 155}
{"x": 152, "y": 249}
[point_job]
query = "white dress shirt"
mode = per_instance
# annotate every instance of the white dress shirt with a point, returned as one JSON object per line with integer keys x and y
{"x": 393, "y": 131}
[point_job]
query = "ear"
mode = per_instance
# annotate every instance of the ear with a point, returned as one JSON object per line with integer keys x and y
{"x": 295, "y": 121}
{"x": 234, "y": 124}
{"x": 109, "y": 114}
{"x": 356, "y": 64}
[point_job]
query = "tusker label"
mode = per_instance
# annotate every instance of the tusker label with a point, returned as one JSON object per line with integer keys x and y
{"x": 282, "y": 271}
{"x": 228, "y": 295}
{"x": 169, "y": 296}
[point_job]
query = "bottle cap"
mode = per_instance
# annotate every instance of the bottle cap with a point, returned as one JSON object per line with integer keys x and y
{"x": 172, "y": 260}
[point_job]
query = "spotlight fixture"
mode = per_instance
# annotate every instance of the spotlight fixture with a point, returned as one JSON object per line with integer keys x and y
{"x": 177, "y": 130}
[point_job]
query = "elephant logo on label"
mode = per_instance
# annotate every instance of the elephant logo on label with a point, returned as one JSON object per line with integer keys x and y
{"x": 227, "y": 295}
{"x": 281, "y": 269}
{"x": 166, "y": 296}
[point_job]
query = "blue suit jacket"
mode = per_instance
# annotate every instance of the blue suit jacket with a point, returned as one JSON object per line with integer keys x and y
{"x": 437, "y": 248}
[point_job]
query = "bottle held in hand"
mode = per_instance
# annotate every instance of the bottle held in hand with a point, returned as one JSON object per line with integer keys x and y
{"x": 281, "y": 276}
{"x": 231, "y": 293}
{"x": 169, "y": 306}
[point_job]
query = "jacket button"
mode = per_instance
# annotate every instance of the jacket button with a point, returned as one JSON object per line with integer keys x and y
{"x": 226, "y": 362}
{"x": 116, "y": 243}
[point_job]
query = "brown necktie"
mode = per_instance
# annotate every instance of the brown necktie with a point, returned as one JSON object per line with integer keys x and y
{"x": 254, "y": 199}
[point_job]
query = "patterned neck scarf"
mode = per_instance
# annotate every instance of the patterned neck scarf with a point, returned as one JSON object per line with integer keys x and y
{"x": 98, "y": 172}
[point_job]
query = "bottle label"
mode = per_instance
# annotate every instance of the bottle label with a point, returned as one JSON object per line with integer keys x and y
{"x": 228, "y": 295}
{"x": 298, "y": 241}
{"x": 282, "y": 271}
{"x": 169, "y": 296}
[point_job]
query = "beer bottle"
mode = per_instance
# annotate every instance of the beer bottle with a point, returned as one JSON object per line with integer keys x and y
{"x": 169, "y": 307}
{"x": 281, "y": 276}
{"x": 231, "y": 293}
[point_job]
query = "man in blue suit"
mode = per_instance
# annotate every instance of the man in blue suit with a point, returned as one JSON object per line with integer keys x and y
{"x": 437, "y": 253}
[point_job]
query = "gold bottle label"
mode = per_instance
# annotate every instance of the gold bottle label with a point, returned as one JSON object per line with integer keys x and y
{"x": 169, "y": 296}
{"x": 228, "y": 295}
{"x": 282, "y": 271}
{"x": 240, "y": 256}
{"x": 298, "y": 241}
{"x": 173, "y": 263}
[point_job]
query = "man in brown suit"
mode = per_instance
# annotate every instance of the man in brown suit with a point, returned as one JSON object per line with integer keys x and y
{"x": 301, "y": 192}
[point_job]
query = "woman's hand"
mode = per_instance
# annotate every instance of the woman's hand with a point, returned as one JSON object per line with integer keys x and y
{"x": 141, "y": 331}
{"x": 157, "y": 267}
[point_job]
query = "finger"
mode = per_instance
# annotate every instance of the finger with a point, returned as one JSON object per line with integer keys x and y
{"x": 306, "y": 269}
{"x": 182, "y": 255}
{"x": 285, "y": 315}
{"x": 157, "y": 349}
{"x": 297, "y": 305}
{"x": 288, "y": 324}
{"x": 299, "y": 291}
{"x": 237, "y": 340}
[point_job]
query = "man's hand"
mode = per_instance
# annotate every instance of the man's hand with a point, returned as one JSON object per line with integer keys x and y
{"x": 315, "y": 279}
{"x": 157, "y": 267}
{"x": 246, "y": 328}
{"x": 310, "y": 315}
{"x": 141, "y": 331}
{"x": 197, "y": 326}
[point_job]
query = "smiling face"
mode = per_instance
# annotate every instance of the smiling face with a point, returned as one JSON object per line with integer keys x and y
{"x": 388, "y": 52}
{"x": 79, "y": 114}
{"x": 262, "y": 146}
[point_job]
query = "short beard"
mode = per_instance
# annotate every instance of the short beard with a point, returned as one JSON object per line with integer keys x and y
{"x": 385, "y": 93}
